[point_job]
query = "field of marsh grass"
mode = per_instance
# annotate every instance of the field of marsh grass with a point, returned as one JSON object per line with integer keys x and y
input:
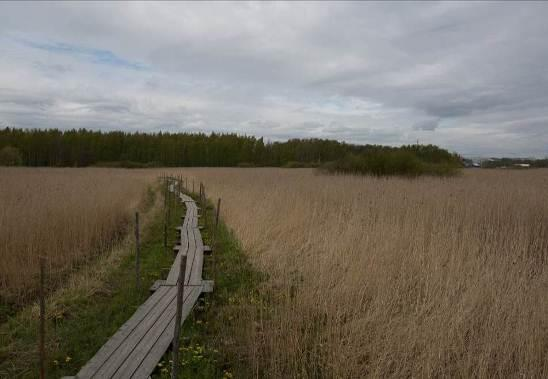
{"x": 390, "y": 277}
{"x": 67, "y": 215}
{"x": 365, "y": 276}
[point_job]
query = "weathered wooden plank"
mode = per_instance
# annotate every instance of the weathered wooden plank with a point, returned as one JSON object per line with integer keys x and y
{"x": 156, "y": 285}
{"x": 162, "y": 344}
{"x": 191, "y": 258}
{"x": 207, "y": 286}
{"x": 164, "y": 327}
{"x": 126, "y": 368}
{"x": 174, "y": 271}
{"x": 89, "y": 369}
{"x": 199, "y": 258}
{"x": 135, "y": 338}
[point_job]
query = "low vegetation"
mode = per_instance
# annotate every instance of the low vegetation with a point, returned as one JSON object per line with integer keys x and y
{"x": 412, "y": 160}
{"x": 10, "y": 156}
{"x": 362, "y": 276}
{"x": 387, "y": 277}
{"x": 90, "y": 306}
{"x": 69, "y": 216}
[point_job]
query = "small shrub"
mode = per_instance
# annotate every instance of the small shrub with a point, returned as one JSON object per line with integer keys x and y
{"x": 10, "y": 156}
{"x": 410, "y": 161}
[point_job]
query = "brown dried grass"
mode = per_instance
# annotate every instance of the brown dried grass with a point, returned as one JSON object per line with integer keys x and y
{"x": 67, "y": 215}
{"x": 392, "y": 277}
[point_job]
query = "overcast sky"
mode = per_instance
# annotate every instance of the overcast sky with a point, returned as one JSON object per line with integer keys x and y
{"x": 471, "y": 77}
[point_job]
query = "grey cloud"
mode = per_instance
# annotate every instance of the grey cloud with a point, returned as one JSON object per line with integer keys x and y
{"x": 427, "y": 125}
{"x": 359, "y": 72}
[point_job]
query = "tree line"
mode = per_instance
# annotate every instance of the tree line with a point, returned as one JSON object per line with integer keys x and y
{"x": 81, "y": 148}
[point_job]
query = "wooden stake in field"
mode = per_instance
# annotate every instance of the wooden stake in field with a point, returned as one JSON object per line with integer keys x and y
{"x": 137, "y": 253}
{"x": 165, "y": 214}
{"x": 218, "y": 210}
{"x": 178, "y": 316}
{"x": 204, "y": 207}
{"x": 215, "y": 230}
{"x": 168, "y": 213}
{"x": 42, "y": 318}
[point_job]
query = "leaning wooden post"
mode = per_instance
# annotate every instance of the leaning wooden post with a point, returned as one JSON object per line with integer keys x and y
{"x": 42, "y": 318}
{"x": 178, "y": 317}
{"x": 137, "y": 253}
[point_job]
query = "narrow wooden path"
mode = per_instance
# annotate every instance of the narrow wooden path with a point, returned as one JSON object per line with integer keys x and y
{"x": 137, "y": 347}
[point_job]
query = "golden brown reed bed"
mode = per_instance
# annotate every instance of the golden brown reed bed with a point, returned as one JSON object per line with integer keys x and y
{"x": 392, "y": 277}
{"x": 66, "y": 215}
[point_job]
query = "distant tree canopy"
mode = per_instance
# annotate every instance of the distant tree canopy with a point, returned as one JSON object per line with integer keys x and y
{"x": 83, "y": 147}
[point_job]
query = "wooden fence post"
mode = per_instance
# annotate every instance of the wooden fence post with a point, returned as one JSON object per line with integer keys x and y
{"x": 137, "y": 253}
{"x": 204, "y": 207}
{"x": 215, "y": 230}
{"x": 42, "y": 318}
{"x": 217, "y": 215}
{"x": 168, "y": 215}
{"x": 178, "y": 317}
{"x": 165, "y": 214}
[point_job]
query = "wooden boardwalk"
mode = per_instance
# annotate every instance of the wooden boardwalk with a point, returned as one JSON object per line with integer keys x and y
{"x": 137, "y": 347}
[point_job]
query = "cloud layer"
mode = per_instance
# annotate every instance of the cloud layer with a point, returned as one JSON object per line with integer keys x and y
{"x": 472, "y": 77}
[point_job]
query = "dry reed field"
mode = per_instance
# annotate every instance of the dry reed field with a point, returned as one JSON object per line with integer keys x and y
{"x": 66, "y": 215}
{"x": 391, "y": 277}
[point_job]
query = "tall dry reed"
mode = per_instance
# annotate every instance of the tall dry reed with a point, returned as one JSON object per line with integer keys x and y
{"x": 392, "y": 277}
{"x": 66, "y": 215}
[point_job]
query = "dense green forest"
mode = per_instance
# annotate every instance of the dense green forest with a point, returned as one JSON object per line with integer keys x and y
{"x": 80, "y": 148}
{"x": 85, "y": 148}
